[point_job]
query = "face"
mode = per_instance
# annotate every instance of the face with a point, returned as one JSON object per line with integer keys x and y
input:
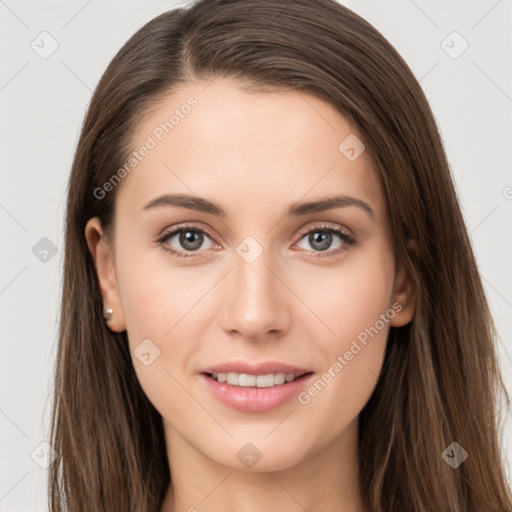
{"x": 268, "y": 287}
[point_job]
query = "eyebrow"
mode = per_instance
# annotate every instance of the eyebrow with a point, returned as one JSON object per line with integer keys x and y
{"x": 296, "y": 210}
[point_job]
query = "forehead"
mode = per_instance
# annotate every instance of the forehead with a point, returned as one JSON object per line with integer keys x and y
{"x": 215, "y": 139}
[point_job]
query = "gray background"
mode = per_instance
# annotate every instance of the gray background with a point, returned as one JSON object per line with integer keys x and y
{"x": 43, "y": 104}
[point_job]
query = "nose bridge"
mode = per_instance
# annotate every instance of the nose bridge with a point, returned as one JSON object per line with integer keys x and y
{"x": 254, "y": 303}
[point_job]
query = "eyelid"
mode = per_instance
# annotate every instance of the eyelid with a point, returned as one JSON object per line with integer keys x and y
{"x": 190, "y": 225}
{"x": 327, "y": 226}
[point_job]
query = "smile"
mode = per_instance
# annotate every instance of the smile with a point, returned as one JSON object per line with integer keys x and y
{"x": 259, "y": 381}
{"x": 255, "y": 393}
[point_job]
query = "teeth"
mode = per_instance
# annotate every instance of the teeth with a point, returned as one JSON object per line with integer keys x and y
{"x": 260, "y": 381}
{"x": 243, "y": 379}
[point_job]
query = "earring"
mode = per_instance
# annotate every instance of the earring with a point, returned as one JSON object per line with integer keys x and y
{"x": 107, "y": 314}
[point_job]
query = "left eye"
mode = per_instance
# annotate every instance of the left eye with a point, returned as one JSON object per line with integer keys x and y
{"x": 321, "y": 239}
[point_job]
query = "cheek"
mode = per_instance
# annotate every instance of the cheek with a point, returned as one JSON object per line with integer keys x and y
{"x": 155, "y": 296}
{"x": 348, "y": 299}
{"x": 154, "y": 299}
{"x": 357, "y": 308}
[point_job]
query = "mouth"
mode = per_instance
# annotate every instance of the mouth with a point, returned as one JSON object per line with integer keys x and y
{"x": 247, "y": 380}
{"x": 255, "y": 393}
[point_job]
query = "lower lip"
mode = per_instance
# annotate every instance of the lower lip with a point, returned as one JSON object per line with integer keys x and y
{"x": 253, "y": 399}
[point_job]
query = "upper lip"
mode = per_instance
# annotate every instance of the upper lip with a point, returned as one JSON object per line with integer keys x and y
{"x": 262, "y": 368}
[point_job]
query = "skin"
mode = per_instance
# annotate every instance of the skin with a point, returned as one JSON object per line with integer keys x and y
{"x": 254, "y": 154}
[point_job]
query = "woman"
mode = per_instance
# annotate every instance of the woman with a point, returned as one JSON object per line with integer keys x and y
{"x": 270, "y": 301}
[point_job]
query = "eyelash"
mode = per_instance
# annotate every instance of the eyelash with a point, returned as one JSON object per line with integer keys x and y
{"x": 328, "y": 228}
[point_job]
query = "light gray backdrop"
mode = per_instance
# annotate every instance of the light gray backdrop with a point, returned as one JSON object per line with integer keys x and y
{"x": 53, "y": 54}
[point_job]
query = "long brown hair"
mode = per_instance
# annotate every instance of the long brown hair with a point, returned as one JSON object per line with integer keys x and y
{"x": 440, "y": 381}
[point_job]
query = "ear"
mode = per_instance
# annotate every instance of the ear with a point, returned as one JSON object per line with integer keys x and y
{"x": 103, "y": 257}
{"x": 404, "y": 292}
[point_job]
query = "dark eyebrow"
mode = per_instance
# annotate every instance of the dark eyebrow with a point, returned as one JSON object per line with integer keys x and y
{"x": 185, "y": 201}
{"x": 204, "y": 205}
{"x": 329, "y": 203}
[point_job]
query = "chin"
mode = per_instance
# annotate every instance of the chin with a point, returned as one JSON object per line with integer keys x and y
{"x": 260, "y": 456}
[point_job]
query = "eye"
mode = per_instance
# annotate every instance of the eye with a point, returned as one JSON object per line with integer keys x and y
{"x": 190, "y": 238}
{"x": 320, "y": 239}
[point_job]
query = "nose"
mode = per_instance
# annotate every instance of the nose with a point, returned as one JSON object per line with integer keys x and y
{"x": 256, "y": 303}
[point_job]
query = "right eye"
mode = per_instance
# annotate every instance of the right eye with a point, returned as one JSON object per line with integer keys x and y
{"x": 191, "y": 239}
